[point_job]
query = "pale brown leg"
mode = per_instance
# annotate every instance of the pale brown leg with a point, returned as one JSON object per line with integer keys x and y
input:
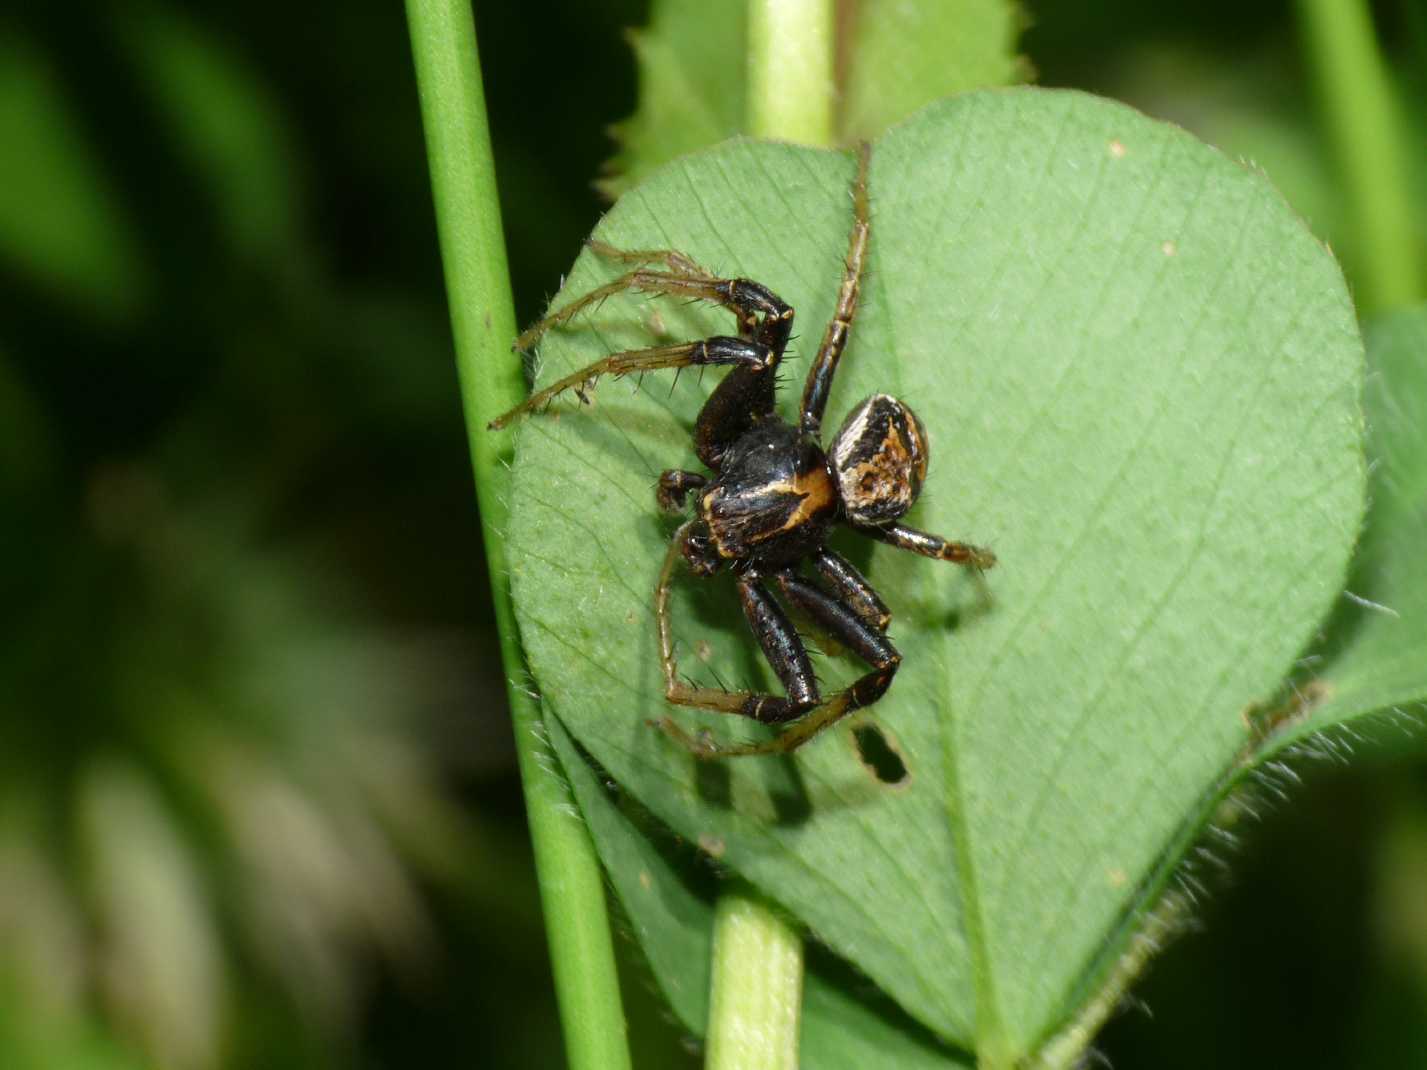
{"x": 761, "y": 314}
{"x": 819, "y": 382}
{"x": 710, "y": 351}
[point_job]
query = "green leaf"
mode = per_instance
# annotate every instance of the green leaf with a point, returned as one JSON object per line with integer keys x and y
{"x": 843, "y": 1025}
{"x": 1372, "y": 659}
{"x": 898, "y": 56}
{"x": 905, "y": 55}
{"x": 1140, "y": 373}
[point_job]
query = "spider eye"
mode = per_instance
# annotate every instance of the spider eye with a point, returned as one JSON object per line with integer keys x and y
{"x": 879, "y": 456}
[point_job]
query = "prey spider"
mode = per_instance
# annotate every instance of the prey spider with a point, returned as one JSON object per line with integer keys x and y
{"x": 775, "y": 493}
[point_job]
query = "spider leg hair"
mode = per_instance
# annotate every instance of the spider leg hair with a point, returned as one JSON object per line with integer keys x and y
{"x": 824, "y": 366}
{"x": 723, "y": 351}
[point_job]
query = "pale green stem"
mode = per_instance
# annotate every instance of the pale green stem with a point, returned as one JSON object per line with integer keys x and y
{"x": 757, "y": 980}
{"x": 790, "y": 70}
{"x": 757, "y": 986}
{"x": 1067, "y": 1048}
{"x": 443, "y": 42}
{"x": 1367, "y": 133}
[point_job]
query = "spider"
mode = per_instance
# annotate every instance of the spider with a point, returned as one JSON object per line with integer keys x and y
{"x": 776, "y": 493}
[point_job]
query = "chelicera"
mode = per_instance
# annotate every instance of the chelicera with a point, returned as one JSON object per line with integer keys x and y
{"x": 775, "y": 492}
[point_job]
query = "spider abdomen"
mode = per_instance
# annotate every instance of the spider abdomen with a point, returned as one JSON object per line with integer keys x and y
{"x": 880, "y": 460}
{"x": 774, "y": 499}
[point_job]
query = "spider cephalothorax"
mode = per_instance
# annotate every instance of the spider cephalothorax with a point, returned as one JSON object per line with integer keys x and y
{"x": 775, "y": 492}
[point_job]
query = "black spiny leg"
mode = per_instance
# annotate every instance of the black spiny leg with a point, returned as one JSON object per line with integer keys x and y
{"x": 852, "y": 588}
{"x": 819, "y": 383}
{"x": 753, "y": 356}
{"x": 934, "y": 546}
{"x": 781, "y": 645}
{"x": 848, "y": 628}
{"x": 784, "y": 649}
{"x": 674, "y": 487}
{"x": 789, "y": 659}
{"x": 743, "y": 400}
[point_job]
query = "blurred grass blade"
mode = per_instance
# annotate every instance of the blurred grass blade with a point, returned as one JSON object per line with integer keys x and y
{"x": 221, "y": 118}
{"x": 38, "y": 1037}
{"x": 61, "y": 222}
{"x": 1369, "y": 136}
{"x": 160, "y": 965}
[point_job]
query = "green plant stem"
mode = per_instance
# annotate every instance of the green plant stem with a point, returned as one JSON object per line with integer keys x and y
{"x": 1067, "y": 1048}
{"x": 755, "y": 1009}
{"x": 1366, "y": 131}
{"x": 443, "y": 41}
{"x": 790, "y": 70}
{"x": 749, "y": 1009}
